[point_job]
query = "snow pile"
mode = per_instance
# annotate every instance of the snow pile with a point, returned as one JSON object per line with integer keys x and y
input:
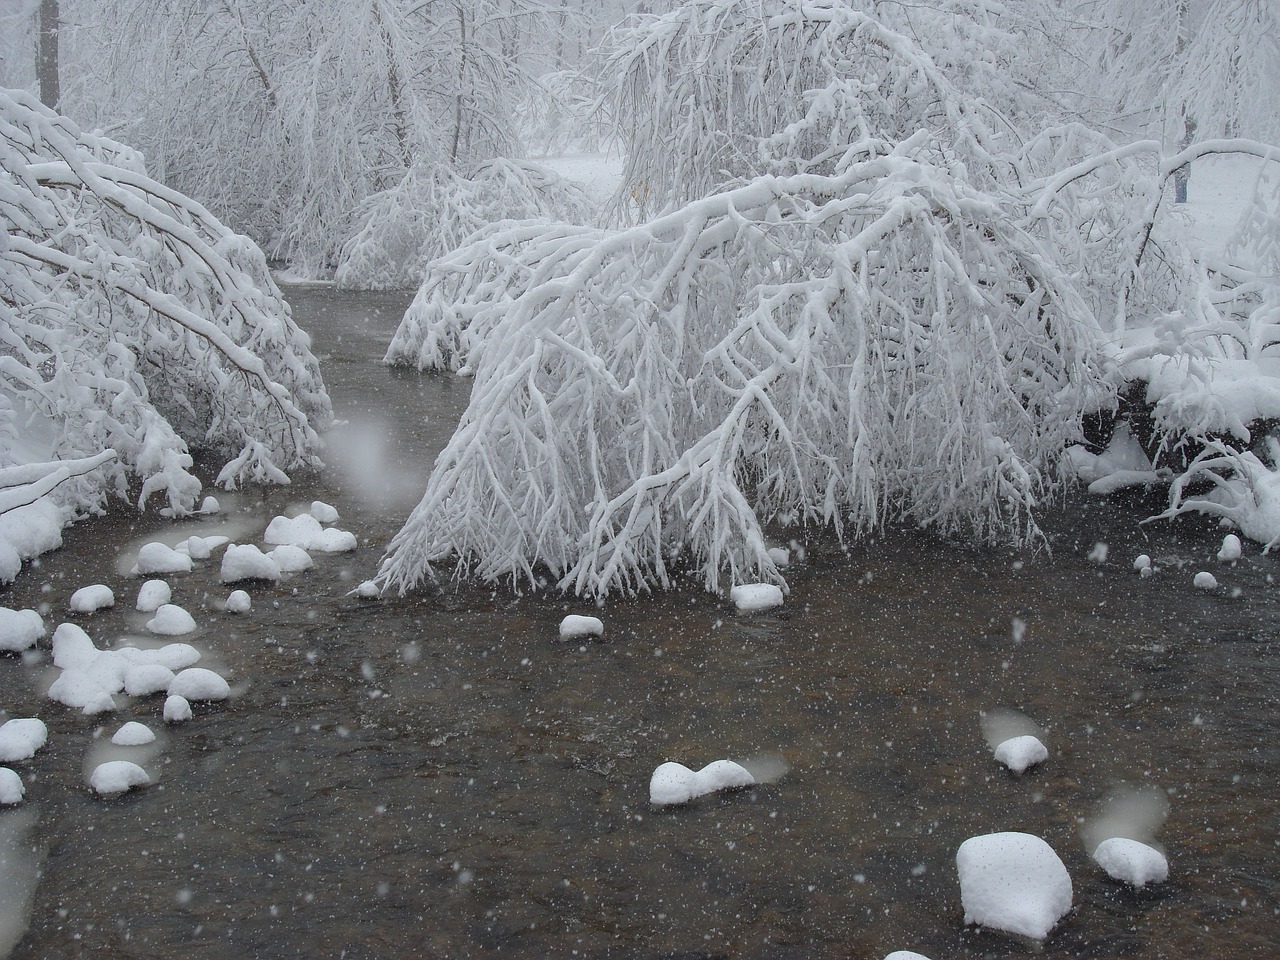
{"x": 117, "y": 776}
{"x": 1131, "y": 862}
{"x": 779, "y": 555}
{"x": 12, "y": 789}
{"x": 171, "y": 621}
{"x": 1019, "y": 753}
{"x": 306, "y": 532}
{"x": 36, "y": 528}
{"x": 291, "y": 559}
{"x": 156, "y": 557}
{"x": 575, "y": 626}
{"x": 906, "y": 955}
{"x": 197, "y": 683}
{"x": 144, "y": 679}
{"x": 200, "y": 548}
{"x": 1013, "y": 882}
{"x": 1231, "y": 548}
{"x": 751, "y": 597}
{"x": 246, "y": 562}
{"x": 133, "y": 734}
{"x": 209, "y": 505}
{"x": 1123, "y": 463}
{"x": 1142, "y": 563}
{"x": 1204, "y": 580}
{"x": 177, "y": 709}
{"x": 90, "y": 677}
{"x": 152, "y": 595}
{"x": 20, "y": 739}
{"x": 368, "y": 590}
{"x": 674, "y": 783}
{"x": 90, "y": 599}
{"x": 19, "y": 629}
{"x": 323, "y": 512}
{"x": 238, "y": 602}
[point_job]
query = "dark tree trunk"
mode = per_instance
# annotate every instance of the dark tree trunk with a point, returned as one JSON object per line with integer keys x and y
{"x": 47, "y": 54}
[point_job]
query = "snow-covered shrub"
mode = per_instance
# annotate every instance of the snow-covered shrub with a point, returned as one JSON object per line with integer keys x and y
{"x": 132, "y": 321}
{"x": 434, "y": 208}
{"x": 844, "y": 350}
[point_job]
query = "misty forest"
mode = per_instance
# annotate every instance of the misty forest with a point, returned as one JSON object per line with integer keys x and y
{"x": 639, "y": 479}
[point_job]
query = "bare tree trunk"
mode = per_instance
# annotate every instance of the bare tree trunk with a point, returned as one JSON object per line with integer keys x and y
{"x": 47, "y": 54}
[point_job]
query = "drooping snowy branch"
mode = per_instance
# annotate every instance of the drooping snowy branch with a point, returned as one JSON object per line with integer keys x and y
{"x": 436, "y": 207}
{"x": 842, "y": 350}
{"x": 135, "y": 321}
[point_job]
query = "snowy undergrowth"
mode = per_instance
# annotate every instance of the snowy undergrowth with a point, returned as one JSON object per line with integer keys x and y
{"x": 435, "y": 207}
{"x": 134, "y": 328}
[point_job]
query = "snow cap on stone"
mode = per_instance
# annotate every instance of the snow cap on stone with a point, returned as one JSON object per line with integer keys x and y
{"x": 749, "y": 597}
{"x": 156, "y": 557}
{"x": 1019, "y": 753}
{"x": 133, "y": 734}
{"x": 90, "y": 599}
{"x": 198, "y": 683}
{"x": 171, "y": 621}
{"x": 1013, "y": 882}
{"x": 246, "y": 562}
{"x": 674, "y": 783}
{"x": 1230, "y": 549}
{"x": 19, "y": 629}
{"x": 152, "y": 595}
{"x": 176, "y": 709}
{"x": 574, "y": 626}
{"x": 12, "y": 788}
{"x": 20, "y": 738}
{"x": 117, "y": 776}
{"x": 1204, "y": 580}
{"x": 1131, "y": 862}
{"x": 238, "y": 602}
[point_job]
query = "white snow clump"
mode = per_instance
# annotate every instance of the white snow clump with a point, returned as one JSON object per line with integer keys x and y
{"x": 117, "y": 776}
{"x": 574, "y": 626}
{"x": 177, "y": 709}
{"x": 1142, "y": 563}
{"x": 238, "y": 602}
{"x": 145, "y": 679}
{"x": 1230, "y": 548}
{"x": 156, "y": 557}
{"x": 200, "y": 548}
{"x": 906, "y": 955}
{"x": 152, "y": 595}
{"x": 209, "y": 505}
{"x": 197, "y": 683}
{"x": 1204, "y": 580}
{"x": 11, "y": 787}
{"x": 171, "y": 621}
{"x": 20, "y": 739}
{"x": 779, "y": 555}
{"x": 749, "y": 597}
{"x": 92, "y": 598}
{"x": 1019, "y": 753}
{"x": 368, "y": 590}
{"x": 90, "y": 677}
{"x": 247, "y": 562}
{"x": 1131, "y": 862}
{"x": 291, "y": 559}
{"x": 674, "y": 783}
{"x": 25, "y": 533}
{"x": 133, "y": 734}
{"x": 305, "y": 531}
{"x": 19, "y": 629}
{"x": 1013, "y": 882}
{"x": 323, "y": 512}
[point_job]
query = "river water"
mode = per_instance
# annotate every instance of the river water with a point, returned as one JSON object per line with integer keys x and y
{"x": 440, "y": 776}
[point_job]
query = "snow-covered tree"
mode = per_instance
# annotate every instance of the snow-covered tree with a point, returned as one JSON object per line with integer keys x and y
{"x": 562, "y": 114}
{"x": 719, "y": 90}
{"x": 435, "y": 207}
{"x": 133, "y": 321}
{"x": 885, "y": 343}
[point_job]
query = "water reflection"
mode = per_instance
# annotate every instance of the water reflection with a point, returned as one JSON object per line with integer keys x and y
{"x": 442, "y": 776}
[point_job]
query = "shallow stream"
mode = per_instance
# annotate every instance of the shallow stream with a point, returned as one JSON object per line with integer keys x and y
{"x": 441, "y": 776}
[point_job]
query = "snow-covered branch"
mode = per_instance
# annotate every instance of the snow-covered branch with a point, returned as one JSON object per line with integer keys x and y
{"x": 136, "y": 322}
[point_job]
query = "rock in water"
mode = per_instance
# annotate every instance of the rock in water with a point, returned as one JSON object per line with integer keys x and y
{"x": 1231, "y": 548}
{"x": 1013, "y": 882}
{"x": 749, "y": 597}
{"x": 674, "y": 783}
{"x": 1131, "y": 862}
{"x": 572, "y": 627}
{"x": 117, "y": 776}
{"x": 1019, "y": 753}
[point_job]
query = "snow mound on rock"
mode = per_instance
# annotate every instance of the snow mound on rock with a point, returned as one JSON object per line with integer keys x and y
{"x": 20, "y": 738}
{"x": 90, "y": 599}
{"x": 1019, "y": 753}
{"x": 247, "y": 562}
{"x": 197, "y": 683}
{"x": 133, "y": 734}
{"x": 1231, "y": 548}
{"x": 749, "y": 597}
{"x": 171, "y": 621}
{"x": 152, "y": 595}
{"x": 156, "y": 557}
{"x": 574, "y": 626}
{"x": 117, "y": 776}
{"x": 306, "y": 532}
{"x": 674, "y": 783}
{"x": 238, "y": 602}
{"x": 90, "y": 677}
{"x": 1131, "y": 862}
{"x": 177, "y": 709}
{"x": 1013, "y": 882}
{"x": 1204, "y": 580}
{"x": 291, "y": 559}
{"x": 19, "y": 629}
{"x": 12, "y": 788}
